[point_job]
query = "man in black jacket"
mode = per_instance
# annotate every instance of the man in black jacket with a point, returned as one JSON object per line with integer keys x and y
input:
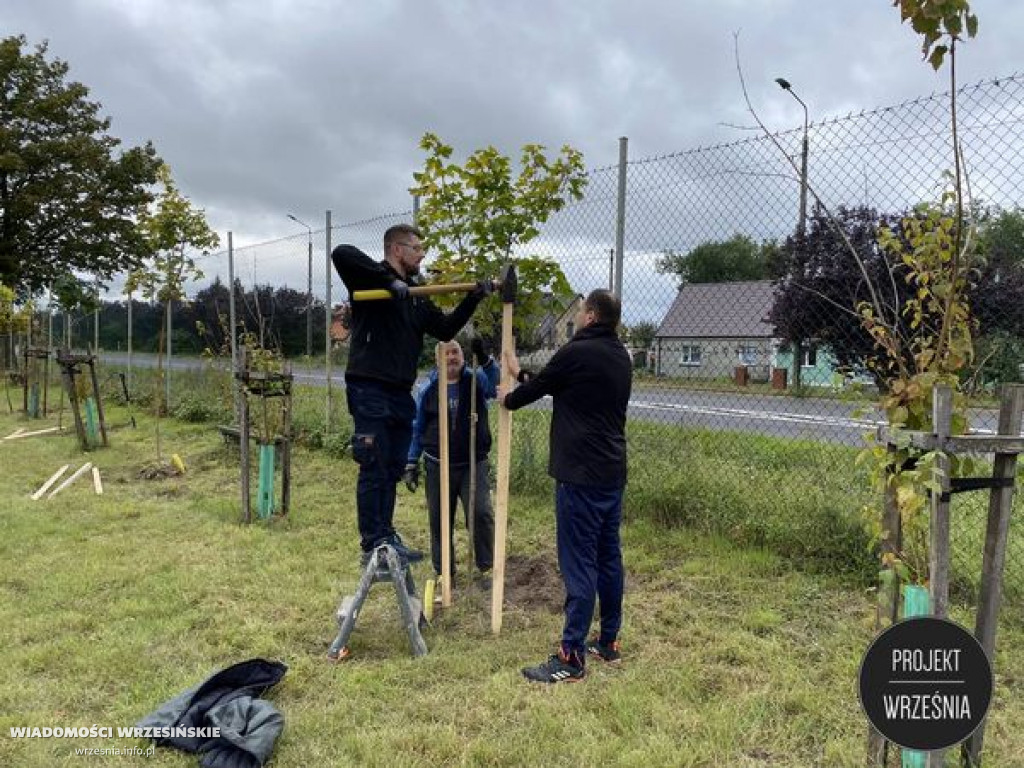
{"x": 589, "y": 379}
{"x": 385, "y": 343}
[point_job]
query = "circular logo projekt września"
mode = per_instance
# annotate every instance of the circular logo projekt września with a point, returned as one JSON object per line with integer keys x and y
{"x": 925, "y": 683}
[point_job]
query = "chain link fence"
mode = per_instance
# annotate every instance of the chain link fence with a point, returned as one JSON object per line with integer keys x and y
{"x": 742, "y": 420}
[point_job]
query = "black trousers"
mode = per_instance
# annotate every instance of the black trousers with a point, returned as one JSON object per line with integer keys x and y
{"x": 483, "y": 515}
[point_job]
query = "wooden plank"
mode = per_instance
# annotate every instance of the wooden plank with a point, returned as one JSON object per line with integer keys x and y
{"x": 1000, "y": 505}
{"x": 286, "y": 450}
{"x": 1011, "y": 443}
{"x": 504, "y": 459}
{"x": 938, "y": 549}
{"x": 69, "y": 386}
{"x": 46, "y": 486}
{"x": 443, "y": 464}
{"x": 16, "y": 432}
{"x": 33, "y": 433}
{"x": 243, "y": 447}
{"x": 998, "y": 444}
{"x": 78, "y": 473}
{"x": 471, "y": 512}
{"x": 888, "y": 602}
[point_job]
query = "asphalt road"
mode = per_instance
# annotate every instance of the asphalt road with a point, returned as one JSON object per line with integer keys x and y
{"x": 809, "y": 418}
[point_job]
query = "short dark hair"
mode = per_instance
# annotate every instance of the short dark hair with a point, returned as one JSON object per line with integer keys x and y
{"x": 400, "y": 230}
{"x": 606, "y": 307}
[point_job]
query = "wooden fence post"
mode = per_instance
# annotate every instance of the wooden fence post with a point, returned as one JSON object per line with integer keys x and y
{"x": 1000, "y": 503}
{"x": 938, "y": 546}
{"x": 888, "y": 600}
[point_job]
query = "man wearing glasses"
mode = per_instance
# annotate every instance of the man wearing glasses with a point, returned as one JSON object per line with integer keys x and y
{"x": 385, "y": 345}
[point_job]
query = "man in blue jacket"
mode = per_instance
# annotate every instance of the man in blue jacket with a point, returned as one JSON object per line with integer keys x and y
{"x": 589, "y": 379}
{"x": 426, "y": 440}
{"x": 386, "y": 338}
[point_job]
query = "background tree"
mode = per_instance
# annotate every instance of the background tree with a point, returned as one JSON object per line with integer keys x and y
{"x": 641, "y": 335}
{"x": 822, "y": 279}
{"x": 69, "y": 200}
{"x": 477, "y": 216}
{"x": 728, "y": 261}
{"x": 172, "y": 229}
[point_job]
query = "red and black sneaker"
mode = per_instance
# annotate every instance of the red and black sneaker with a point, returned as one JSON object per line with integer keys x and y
{"x": 559, "y": 668}
{"x": 609, "y": 653}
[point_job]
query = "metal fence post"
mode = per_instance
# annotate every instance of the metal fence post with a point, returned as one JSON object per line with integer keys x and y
{"x": 620, "y": 217}
{"x": 327, "y": 315}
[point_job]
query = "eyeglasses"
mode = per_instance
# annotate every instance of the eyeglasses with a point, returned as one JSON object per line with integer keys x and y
{"x": 418, "y": 248}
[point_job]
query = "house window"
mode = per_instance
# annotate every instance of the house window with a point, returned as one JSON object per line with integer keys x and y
{"x": 690, "y": 355}
{"x": 748, "y": 354}
{"x": 810, "y": 357}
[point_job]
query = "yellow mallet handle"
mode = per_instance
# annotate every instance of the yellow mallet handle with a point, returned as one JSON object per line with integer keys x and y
{"x": 379, "y": 294}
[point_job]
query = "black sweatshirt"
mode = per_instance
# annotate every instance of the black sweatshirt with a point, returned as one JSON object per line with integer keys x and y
{"x": 590, "y": 379}
{"x": 386, "y": 336}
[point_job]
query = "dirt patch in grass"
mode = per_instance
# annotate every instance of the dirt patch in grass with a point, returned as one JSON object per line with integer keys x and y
{"x": 533, "y": 581}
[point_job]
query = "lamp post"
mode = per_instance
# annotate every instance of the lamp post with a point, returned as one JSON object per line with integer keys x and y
{"x": 309, "y": 285}
{"x": 802, "y": 221}
{"x": 801, "y": 224}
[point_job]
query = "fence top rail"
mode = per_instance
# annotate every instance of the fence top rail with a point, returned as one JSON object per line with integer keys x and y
{"x": 1000, "y": 444}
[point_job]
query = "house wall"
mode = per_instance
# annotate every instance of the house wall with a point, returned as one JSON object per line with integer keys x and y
{"x": 718, "y": 358}
{"x": 821, "y": 374}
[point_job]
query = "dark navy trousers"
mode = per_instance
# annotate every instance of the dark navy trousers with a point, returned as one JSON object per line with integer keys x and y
{"x": 382, "y": 417}
{"x": 590, "y": 559}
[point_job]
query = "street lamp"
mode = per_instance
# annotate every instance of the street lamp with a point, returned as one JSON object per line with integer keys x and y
{"x": 802, "y": 221}
{"x": 309, "y": 285}
{"x": 801, "y": 225}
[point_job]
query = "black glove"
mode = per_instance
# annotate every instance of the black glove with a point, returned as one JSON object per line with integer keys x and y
{"x": 479, "y": 350}
{"x": 399, "y": 289}
{"x": 411, "y": 476}
{"x": 484, "y": 288}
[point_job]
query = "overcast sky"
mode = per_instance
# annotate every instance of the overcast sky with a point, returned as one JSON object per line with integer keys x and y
{"x": 296, "y": 106}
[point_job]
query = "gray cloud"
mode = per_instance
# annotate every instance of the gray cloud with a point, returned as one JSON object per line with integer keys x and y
{"x": 269, "y": 108}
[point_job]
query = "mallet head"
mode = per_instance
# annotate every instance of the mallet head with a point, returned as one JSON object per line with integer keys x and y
{"x": 509, "y": 284}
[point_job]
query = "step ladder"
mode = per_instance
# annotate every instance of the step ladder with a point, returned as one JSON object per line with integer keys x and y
{"x": 384, "y": 565}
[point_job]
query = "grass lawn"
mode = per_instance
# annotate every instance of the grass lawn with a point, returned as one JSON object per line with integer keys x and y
{"x": 112, "y": 604}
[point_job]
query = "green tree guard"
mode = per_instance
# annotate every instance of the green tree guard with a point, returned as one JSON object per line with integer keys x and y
{"x": 266, "y": 489}
{"x": 915, "y": 603}
{"x": 90, "y": 422}
{"x": 33, "y": 401}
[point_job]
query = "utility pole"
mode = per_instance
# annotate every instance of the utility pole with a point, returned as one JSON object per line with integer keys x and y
{"x": 801, "y": 223}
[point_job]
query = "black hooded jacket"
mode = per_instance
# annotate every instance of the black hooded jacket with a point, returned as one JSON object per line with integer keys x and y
{"x": 228, "y": 700}
{"x": 590, "y": 379}
{"x": 386, "y": 337}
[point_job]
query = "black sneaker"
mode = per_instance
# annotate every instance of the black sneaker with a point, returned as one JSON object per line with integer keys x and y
{"x": 557, "y": 669}
{"x": 409, "y": 555}
{"x": 609, "y": 653}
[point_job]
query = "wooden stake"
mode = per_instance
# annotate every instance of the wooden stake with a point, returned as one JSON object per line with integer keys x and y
{"x": 443, "y": 466}
{"x": 504, "y": 458}
{"x": 78, "y": 473}
{"x": 32, "y": 434}
{"x": 46, "y": 486}
{"x": 1000, "y": 507}
{"x": 97, "y": 484}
